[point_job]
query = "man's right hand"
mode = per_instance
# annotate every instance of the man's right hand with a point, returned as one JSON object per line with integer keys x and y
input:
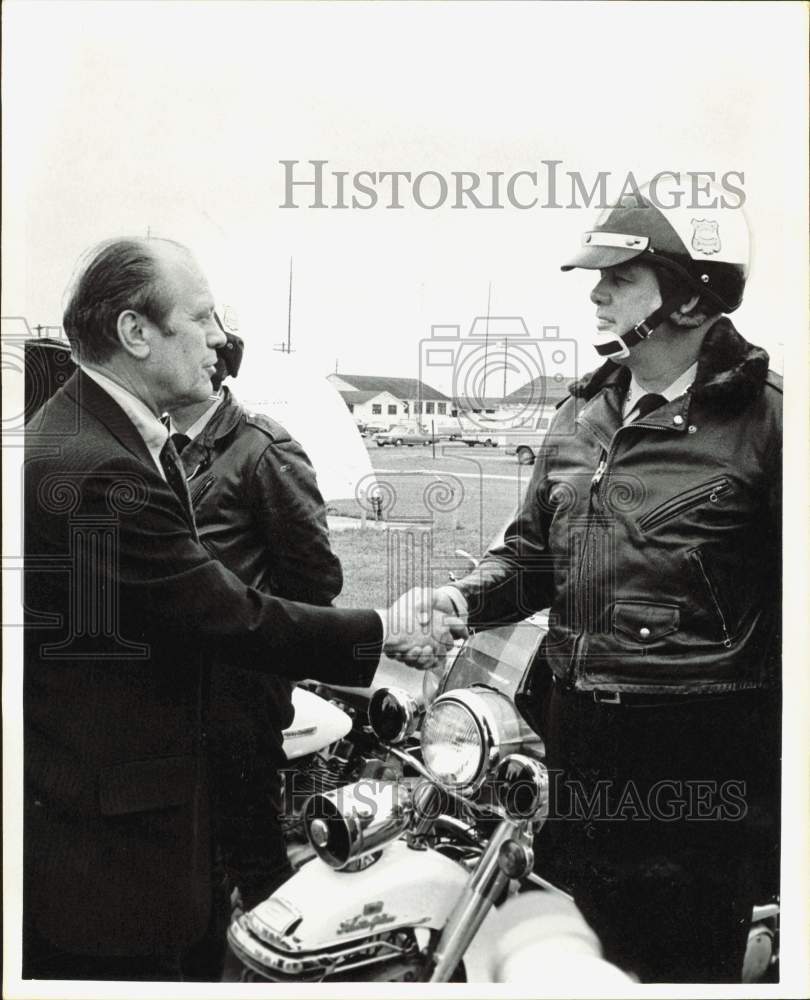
{"x": 420, "y": 628}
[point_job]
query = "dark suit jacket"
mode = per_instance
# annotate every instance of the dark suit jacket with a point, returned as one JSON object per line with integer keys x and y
{"x": 123, "y": 608}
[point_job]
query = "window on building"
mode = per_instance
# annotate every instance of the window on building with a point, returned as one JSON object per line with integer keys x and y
{"x": 392, "y": 409}
{"x": 429, "y": 407}
{"x": 442, "y": 409}
{"x": 376, "y": 409}
{"x": 454, "y": 412}
{"x": 417, "y": 407}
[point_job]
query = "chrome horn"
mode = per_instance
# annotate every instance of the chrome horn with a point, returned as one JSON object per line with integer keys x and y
{"x": 355, "y": 820}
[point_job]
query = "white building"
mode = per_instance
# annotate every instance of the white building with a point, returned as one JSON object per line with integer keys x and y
{"x": 372, "y": 407}
{"x": 378, "y": 399}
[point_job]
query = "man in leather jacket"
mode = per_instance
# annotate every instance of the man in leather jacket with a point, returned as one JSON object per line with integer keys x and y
{"x": 258, "y": 510}
{"x": 651, "y": 527}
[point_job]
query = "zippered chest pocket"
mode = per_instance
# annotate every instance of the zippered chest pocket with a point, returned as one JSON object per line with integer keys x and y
{"x": 199, "y": 490}
{"x": 710, "y": 492}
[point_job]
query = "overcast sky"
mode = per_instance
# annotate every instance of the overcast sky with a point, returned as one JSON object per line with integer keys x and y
{"x": 172, "y": 118}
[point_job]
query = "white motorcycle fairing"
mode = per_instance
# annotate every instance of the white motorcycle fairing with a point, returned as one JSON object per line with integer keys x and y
{"x": 316, "y": 725}
{"x": 320, "y": 915}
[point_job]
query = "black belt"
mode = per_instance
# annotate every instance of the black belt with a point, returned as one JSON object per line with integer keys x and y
{"x": 647, "y": 699}
{"x": 631, "y": 699}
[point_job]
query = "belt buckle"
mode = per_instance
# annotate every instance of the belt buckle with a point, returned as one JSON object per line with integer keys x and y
{"x": 607, "y": 697}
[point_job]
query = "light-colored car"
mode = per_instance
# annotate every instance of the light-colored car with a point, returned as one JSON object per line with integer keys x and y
{"x": 369, "y": 430}
{"x": 485, "y": 438}
{"x": 399, "y": 435}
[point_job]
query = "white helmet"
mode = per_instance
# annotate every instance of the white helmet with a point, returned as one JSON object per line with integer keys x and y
{"x": 706, "y": 250}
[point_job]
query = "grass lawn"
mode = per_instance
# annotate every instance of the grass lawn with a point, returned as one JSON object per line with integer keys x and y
{"x": 460, "y": 500}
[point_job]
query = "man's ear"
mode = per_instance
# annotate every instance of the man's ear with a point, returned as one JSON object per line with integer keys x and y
{"x": 683, "y": 315}
{"x": 132, "y": 335}
{"x": 688, "y": 306}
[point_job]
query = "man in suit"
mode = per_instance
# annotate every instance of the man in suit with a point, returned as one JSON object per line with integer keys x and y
{"x": 123, "y": 608}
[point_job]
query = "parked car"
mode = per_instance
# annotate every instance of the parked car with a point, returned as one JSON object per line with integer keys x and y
{"x": 369, "y": 430}
{"x": 485, "y": 438}
{"x": 399, "y": 435}
{"x": 482, "y": 430}
{"x": 526, "y": 441}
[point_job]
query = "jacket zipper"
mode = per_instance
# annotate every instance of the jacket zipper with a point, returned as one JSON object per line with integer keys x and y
{"x": 684, "y": 501}
{"x": 600, "y": 477}
{"x": 713, "y": 595}
{"x": 593, "y": 508}
{"x": 202, "y": 489}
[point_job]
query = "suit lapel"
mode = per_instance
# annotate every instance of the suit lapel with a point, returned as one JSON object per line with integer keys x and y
{"x": 89, "y": 396}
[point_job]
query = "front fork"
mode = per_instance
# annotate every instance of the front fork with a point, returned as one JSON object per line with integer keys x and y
{"x": 486, "y": 883}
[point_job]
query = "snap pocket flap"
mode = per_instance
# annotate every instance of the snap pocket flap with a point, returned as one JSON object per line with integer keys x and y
{"x": 143, "y": 785}
{"x": 645, "y": 622}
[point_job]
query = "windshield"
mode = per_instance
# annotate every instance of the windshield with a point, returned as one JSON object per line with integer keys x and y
{"x": 498, "y": 657}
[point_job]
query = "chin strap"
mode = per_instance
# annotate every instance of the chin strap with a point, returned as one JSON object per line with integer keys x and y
{"x": 619, "y": 347}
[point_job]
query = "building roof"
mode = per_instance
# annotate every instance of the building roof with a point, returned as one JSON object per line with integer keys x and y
{"x": 353, "y": 396}
{"x": 543, "y": 389}
{"x": 402, "y": 388}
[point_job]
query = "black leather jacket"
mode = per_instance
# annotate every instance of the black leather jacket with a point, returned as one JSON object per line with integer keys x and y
{"x": 657, "y": 544}
{"x": 259, "y": 511}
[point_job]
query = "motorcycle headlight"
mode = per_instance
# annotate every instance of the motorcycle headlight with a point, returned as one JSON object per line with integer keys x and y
{"x": 521, "y": 787}
{"x": 393, "y": 714}
{"x": 453, "y": 747}
{"x": 466, "y": 732}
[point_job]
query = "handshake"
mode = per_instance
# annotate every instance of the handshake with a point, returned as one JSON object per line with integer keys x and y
{"x": 421, "y": 627}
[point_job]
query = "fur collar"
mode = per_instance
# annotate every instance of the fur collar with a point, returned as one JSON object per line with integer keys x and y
{"x": 730, "y": 372}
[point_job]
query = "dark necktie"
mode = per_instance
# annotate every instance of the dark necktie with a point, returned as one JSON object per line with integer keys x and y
{"x": 176, "y": 477}
{"x": 651, "y": 401}
{"x": 179, "y": 441}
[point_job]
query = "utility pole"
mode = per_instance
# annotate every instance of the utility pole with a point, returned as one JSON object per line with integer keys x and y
{"x": 289, "y": 311}
{"x": 287, "y": 348}
{"x": 486, "y": 345}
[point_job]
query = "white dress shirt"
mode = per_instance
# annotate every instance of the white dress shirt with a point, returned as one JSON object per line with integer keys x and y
{"x": 153, "y": 432}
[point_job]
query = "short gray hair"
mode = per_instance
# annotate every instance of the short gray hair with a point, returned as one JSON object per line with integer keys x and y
{"x": 115, "y": 275}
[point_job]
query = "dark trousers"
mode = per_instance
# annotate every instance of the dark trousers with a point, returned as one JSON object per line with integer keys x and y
{"x": 202, "y": 962}
{"x": 248, "y": 805}
{"x": 664, "y": 825}
{"x": 247, "y": 714}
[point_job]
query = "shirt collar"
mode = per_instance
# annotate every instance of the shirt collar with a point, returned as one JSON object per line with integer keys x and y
{"x": 672, "y": 391}
{"x": 200, "y": 423}
{"x": 153, "y": 432}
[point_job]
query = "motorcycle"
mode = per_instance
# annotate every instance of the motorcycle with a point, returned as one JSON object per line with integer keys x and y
{"x": 329, "y": 744}
{"x": 413, "y": 862}
{"x": 462, "y": 813}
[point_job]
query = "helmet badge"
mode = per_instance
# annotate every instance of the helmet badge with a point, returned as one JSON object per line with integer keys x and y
{"x": 705, "y": 236}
